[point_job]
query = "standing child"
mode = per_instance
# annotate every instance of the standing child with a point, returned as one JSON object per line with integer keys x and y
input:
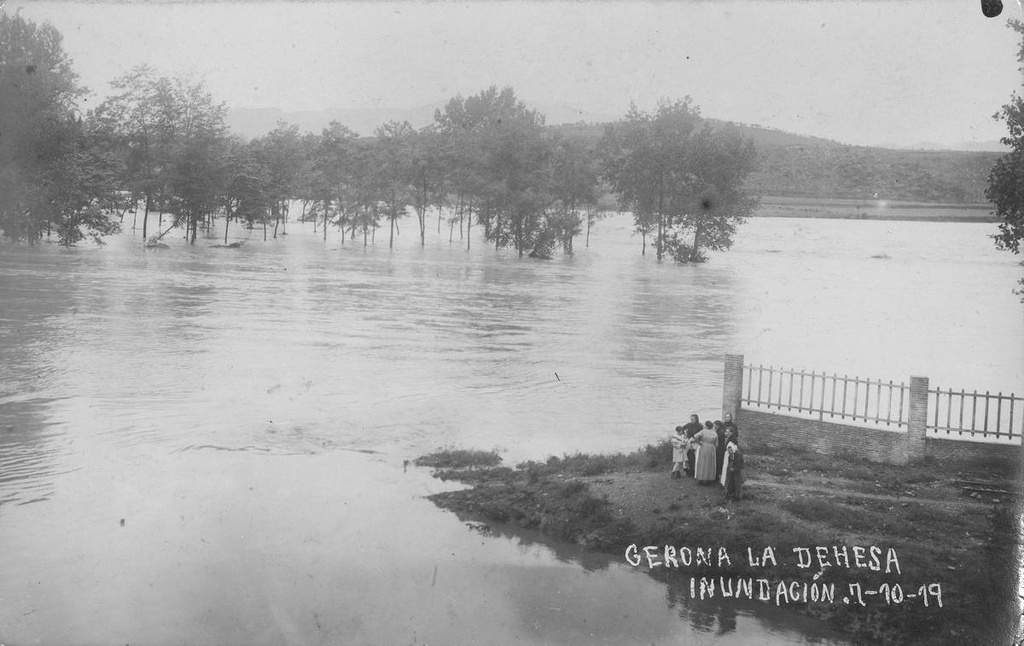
{"x": 680, "y": 443}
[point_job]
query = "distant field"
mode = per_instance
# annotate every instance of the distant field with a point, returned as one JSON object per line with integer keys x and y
{"x": 848, "y": 209}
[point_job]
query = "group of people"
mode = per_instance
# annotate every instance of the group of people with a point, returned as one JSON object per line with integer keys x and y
{"x": 710, "y": 452}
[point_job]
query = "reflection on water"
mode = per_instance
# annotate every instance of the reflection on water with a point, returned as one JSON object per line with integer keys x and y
{"x": 246, "y": 411}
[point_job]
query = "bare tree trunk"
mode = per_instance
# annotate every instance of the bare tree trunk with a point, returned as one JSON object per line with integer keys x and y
{"x": 264, "y": 228}
{"x": 696, "y": 241}
{"x": 660, "y": 242}
{"x": 145, "y": 219}
{"x": 227, "y": 223}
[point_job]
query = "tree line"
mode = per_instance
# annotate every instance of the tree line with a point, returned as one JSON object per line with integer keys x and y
{"x": 159, "y": 147}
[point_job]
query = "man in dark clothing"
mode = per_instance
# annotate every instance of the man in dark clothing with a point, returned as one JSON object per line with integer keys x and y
{"x": 720, "y": 449}
{"x": 690, "y": 430}
{"x": 731, "y": 425}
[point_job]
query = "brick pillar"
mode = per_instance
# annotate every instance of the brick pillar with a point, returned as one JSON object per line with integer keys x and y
{"x": 918, "y": 418}
{"x": 732, "y": 385}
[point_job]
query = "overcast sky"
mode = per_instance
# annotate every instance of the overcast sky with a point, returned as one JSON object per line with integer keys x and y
{"x": 881, "y": 72}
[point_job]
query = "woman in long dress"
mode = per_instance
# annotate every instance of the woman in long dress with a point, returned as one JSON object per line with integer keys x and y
{"x": 704, "y": 470}
{"x": 734, "y": 472}
{"x": 731, "y": 444}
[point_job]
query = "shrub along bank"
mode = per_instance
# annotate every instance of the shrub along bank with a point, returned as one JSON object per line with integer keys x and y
{"x": 873, "y": 549}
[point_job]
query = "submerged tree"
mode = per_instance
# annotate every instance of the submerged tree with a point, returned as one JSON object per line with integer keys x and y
{"x": 54, "y": 169}
{"x": 683, "y": 182}
{"x": 711, "y": 204}
{"x": 134, "y": 124}
{"x": 499, "y": 159}
{"x": 574, "y": 184}
{"x": 392, "y": 163}
{"x": 198, "y": 173}
{"x": 284, "y": 155}
{"x": 331, "y": 179}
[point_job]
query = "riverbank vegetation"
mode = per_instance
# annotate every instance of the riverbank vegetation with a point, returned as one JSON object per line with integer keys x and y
{"x": 961, "y": 546}
{"x": 161, "y": 146}
{"x": 1007, "y": 176}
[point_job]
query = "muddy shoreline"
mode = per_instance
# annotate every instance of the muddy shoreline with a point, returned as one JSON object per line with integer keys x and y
{"x": 912, "y": 528}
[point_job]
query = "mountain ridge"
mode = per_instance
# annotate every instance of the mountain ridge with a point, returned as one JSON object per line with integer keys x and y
{"x": 255, "y": 122}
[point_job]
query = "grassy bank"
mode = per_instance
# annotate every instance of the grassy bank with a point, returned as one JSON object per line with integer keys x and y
{"x": 961, "y": 546}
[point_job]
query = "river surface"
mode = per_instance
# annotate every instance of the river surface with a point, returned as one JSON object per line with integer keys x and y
{"x": 206, "y": 445}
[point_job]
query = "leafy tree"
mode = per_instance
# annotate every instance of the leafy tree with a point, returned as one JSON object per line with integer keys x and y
{"x": 198, "y": 171}
{"x": 428, "y": 175}
{"x": 501, "y": 167}
{"x": 394, "y": 167}
{"x": 130, "y": 119}
{"x": 574, "y": 183}
{"x": 285, "y": 158}
{"x": 247, "y": 191}
{"x": 54, "y": 170}
{"x": 1006, "y": 180}
{"x": 683, "y": 182}
{"x": 81, "y": 179}
{"x": 459, "y": 127}
{"x": 643, "y": 157}
{"x": 332, "y": 174}
{"x": 712, "y": 203}
{"x": 367, "y": 188}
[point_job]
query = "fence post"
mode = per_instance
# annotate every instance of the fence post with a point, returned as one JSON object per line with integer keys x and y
{"x": 732, "y": 385}
{"x": 917, "y": 419}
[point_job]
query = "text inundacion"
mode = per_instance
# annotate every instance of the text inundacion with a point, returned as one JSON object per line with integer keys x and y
{"x": 783, "y": 591}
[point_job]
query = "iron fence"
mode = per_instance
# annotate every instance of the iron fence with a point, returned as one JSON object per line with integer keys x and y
{"x": 949, "y": 413}
{"x": 989, "y": 415}
{"x": 881, "y": 403}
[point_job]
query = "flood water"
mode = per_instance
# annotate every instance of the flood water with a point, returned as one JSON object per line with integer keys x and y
{"x": 202, "y": 444}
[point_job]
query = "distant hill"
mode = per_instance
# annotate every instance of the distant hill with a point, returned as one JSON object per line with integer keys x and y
{"x": 858, "y": 172}
{"x": 256, "y": 122}
{"x": 795, "y": 165}
{"x": 792, "y": 165}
